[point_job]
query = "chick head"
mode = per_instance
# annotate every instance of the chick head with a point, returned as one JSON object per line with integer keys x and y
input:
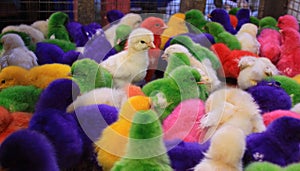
{"x": 11, "y": 41}
{"x": 13, "y": 75}
{"x": 175, "y": 48}
{"x": 141, "y": 39}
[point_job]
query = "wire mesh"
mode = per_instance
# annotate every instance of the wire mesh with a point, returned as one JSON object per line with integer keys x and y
{"x": 14, "y": 12}
{"x": 294, "y": 8}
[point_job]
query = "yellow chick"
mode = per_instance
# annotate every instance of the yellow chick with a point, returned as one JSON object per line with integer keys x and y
{"x": 297, "y": 78}
{"x": 13, "y": 75}
{"x": 176, "y": 26}
{"x": 111, "y": 146}
{"x": 39, "y": 76}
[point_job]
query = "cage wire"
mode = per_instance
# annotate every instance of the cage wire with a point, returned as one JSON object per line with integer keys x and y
{"x": 294, "y": 8}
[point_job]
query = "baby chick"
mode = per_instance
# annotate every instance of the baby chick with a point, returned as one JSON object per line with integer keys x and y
{"x": 130, "y": 66}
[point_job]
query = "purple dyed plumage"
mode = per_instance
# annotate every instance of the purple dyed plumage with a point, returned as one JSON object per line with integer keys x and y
{"x": 185, "y": 155}
{"x": 27, "y": 150}
{"x": 243, "y": 16}
{"x": 114, "y": 15}
{"x": 48, "y": 53}
{"x": 270, "y": 96}
{"x": 221, "y": 16}
{"x": 279, "y": 144}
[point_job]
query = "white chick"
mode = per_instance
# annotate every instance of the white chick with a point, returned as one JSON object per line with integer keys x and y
{"x": 130, "y": 66}
{"x": 225, "y": 152}
{"x": 296, "y": 108}
{"x": 231, "y": 106}
{"x": 16, "y": 53}
{"x": 42, "y": 26}
{"x": 36, "y": 35}
{"x": 130, "y": 19}
{"x": 247, "y": 37}
{"x": 208, "y": 74}
{"x": 109, "y": 96}
{"x": 253, "y": 70}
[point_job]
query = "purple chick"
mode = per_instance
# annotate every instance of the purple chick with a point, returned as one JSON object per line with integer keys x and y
{"x": 27, "y": 150}
{"x": 243, "y": 16}
{"x": 221, "y": 16}
{"x": 279, "y": 144}
{"x": 270, "y": 96}
{"x": 185, "y": 155}
{"x": 58, "y": 126}
{"x": 114, "y": 15}
{"x": 48, "y": 53}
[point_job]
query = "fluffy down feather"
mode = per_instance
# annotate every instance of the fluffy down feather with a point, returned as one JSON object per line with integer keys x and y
{"x": 111, "y": 145}
{"x": 16, "y": 53}
{"x": 42, "y": 26}
{"x": 288, "y": 21}
{"x": 134, "y": 60}
{"x": 231, "y": 106}
{"x": 270, "y": 117}
{"x": 130, "y": 19}
{"x": 253, "y": 70}
{"x": 247, "y": 37}
{"x": 34, "y": 152}
{"x": 227, "y": 155}
{"x": 35, "y": 34}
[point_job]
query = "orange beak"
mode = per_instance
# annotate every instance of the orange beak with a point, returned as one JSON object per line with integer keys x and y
{"x": 164, "y": 26}
{"x": 151, "y": 45}
{"x": 208, "y": 16}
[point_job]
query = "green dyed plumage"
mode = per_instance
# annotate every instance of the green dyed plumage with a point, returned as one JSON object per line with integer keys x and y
{"x": 20, "y": 98}
{"x": 291, "y": 86}
{"x": 56, "y": 26}
{"x": 25, "y": 37}
{"x": 64, "y": 45}
{"x": 198, "y": 51}
{"x": 176, "y": 60}
{"x": 122, "y": 34}
{"x": 179, "y": 85}
{"x": 146, "y": 149}
{"x": 233, "y": 11}
{"x": 263, "y": 166}
{"x": 267, "y": 22}
{"x": 89, "y": 75}
{"x": 222, "y": 36}
{"x": 254, "y": 20}
{"x": 196, "y": 18}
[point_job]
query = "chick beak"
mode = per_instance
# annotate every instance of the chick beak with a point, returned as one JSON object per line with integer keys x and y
{"x": 70, "y": 74}
{"x": 151, "y": 45}
{"x": 164, "y": 26}
{"x": 201, "y": 82}
{"x": 164, "y": 57}
{"x": 208, "y": 16}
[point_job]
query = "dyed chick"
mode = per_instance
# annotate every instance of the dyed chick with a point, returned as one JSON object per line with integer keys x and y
{"x": 146, "y": 149}
{"x": 195, "y": 20}
{"x": 134, "y": 60}
{"x": 16, "y": 53}
{"x": 288, "y": 21}
{"x": 221, "y": 16}
{"x": 56, "y": 26}
{"x": 247, "y": 38}
{"x": 111, "y": 145}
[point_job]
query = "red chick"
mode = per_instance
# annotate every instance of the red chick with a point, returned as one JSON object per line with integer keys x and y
{"x": 288, "y": 21}
{"x": 229, "y": 59}
{"x": 270, "y": 42}
{"x": 11, "y": 122}
{"x": 289, "y": 62}
{"x": 233, "y": 20}
{"x": 157, "y": 26}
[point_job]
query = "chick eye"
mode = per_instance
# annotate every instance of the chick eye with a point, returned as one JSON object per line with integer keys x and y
{"x": 157, "y": 25}
{"x": 3, "y": 82}
{"x": 142, "y": 41}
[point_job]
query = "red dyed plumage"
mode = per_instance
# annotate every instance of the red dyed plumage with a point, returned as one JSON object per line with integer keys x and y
{"x": 288, "y": 21}
{"x": 289, "y": 62}
{"x": 233, "y": 20}
{"x": 229, "y": 59}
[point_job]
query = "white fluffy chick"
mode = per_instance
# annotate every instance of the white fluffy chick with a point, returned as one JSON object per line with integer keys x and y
{"x": 42, "y": 26}
{"x": 253, "y": 70}
{"x": 131, "y": 19}
{"x": 109, "y": 96}
{"x": 296, "y": 108}
{"x": 35, "y": 34}
{"x": 208, "y": 74}
{"x": 16, "y": 53}
{"x": 226, "y": 151}
{"x": 130, "y": 66}
{"x": 231, "y": 106}
{"x": 247, "y": 37}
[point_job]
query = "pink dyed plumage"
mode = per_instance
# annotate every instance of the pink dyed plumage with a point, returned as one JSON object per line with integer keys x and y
{"x": 288, "y": 21}
{"x": 270, "y": 42}
{"x": 271, "y": 116}
{"x": 183, "y": 122}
